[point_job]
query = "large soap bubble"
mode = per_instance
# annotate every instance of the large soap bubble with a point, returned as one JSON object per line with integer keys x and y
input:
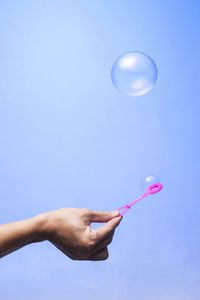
{"x": 134, "y": 73}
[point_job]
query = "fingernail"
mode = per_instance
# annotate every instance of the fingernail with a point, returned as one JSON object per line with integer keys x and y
{"x": 115, "y": 213}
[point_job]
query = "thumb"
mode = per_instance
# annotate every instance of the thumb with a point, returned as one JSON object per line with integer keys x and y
{"x": 103, "y": 216}
{"x": 103, "y": 231}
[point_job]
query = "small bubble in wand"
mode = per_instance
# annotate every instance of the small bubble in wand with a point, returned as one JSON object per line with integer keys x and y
{"x": 152, "y": 189}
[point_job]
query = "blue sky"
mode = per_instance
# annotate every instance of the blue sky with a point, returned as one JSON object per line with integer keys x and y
{"x": 70, "y": 139}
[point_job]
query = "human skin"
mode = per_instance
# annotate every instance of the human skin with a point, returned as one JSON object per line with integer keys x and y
{"x": 69, "y": 229}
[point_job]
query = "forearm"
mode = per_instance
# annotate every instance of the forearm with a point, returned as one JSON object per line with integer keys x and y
{"x": 18, "y": 234}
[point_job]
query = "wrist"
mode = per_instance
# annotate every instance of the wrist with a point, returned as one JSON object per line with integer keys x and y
{"x": 43, "y": 226}
{"x": 38, "y": 225}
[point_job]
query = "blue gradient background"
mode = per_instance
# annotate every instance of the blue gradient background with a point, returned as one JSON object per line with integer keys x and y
{"x": 68, "y": 138}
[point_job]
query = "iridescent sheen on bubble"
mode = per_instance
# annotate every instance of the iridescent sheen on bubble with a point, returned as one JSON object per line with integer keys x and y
{"x": 134, "y": 73}
{"x": 149, "y": 180}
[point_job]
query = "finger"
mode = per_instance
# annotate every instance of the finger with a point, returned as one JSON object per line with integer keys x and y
{"x": 104, "y": 231}
{"x": 100, "y": 255}
{"x": 103, "y": 216}
{"x": 104, "y": 243}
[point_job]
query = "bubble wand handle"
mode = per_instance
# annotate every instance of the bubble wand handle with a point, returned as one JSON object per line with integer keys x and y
{"x": 152, "y": 189}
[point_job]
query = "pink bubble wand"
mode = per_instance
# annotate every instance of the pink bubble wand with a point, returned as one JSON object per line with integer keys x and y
{"x": 152, "y": 189}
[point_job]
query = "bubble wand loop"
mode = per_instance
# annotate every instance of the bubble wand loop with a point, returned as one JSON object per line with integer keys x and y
{"x": 152, "y": 189}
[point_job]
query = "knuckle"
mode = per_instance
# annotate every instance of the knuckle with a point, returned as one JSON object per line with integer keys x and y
{"x": 82, "y": 257}
{"x": 88, "y": 244}
{"x": 108, "y": 242}
{"x": 73, "y": 258}
{"x": 111, "y": 238}
{"x": 94, "y": 236}
{"x": 106, "y": 256}
{"x": 86, "y": 211}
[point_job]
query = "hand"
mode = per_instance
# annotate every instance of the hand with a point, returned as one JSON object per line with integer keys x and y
{"x": 69, "y": 230}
